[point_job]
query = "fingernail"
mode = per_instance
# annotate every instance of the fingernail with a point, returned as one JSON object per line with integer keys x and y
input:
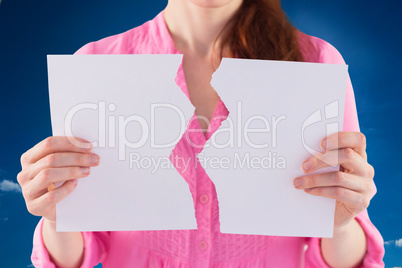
{"x": 74, "y": 182}
{"x": 94, "y": 158}
{"x": 84, "y": 170}
{"x": 324, "y": 144}
{"x": 307, "y": 190}
{"x": 298, "y": 182}
{"x": 306, "y": 166}
{"x": 86, "y": 146}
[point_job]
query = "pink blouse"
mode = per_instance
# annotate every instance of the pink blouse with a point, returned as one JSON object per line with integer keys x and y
{"x": 206, "y": 246}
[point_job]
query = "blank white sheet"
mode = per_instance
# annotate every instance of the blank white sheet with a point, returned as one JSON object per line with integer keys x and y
{"x": 259, "y": 197}
{"x": 110, "y": 88}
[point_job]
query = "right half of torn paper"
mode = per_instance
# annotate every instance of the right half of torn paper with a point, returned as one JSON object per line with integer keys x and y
{"x": 278, "y": 114}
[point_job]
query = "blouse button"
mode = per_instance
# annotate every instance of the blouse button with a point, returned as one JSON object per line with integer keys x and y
{"x": 204, "y": 198}
{"x": 203, "y": 245}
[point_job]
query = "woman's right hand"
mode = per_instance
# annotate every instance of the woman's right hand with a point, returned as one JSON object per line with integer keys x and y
{"x": 55, "y": 159}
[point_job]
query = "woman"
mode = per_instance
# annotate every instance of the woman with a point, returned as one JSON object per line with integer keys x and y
{"x": 204, "y": 31}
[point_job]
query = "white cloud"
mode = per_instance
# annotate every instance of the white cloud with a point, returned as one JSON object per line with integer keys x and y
{"x": 9, "y": 186}
{"x": 396, "y": 243}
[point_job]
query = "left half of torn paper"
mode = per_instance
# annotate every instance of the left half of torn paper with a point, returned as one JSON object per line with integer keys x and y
{"x": 133, "y": 112}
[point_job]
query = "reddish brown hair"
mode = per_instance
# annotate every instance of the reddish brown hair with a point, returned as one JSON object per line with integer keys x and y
{"x": 261, "y": 30}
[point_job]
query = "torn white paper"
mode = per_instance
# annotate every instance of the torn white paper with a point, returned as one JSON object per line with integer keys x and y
{"x": 133, "y": 111}
{"x": 279, "y": 113}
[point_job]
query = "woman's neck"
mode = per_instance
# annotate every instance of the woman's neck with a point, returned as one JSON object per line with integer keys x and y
{"x": 195, "y": 27}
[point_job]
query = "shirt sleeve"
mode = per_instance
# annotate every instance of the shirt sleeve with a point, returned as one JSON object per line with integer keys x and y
{"x": 86, "y": 49}
{"x": 375, "y": 243}
{"x": 95, "y": 249}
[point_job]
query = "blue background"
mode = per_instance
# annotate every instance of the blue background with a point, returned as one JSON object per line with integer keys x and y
{"x": 367, "y": 33}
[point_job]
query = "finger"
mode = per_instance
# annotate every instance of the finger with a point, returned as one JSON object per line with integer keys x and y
{"x": 354, "y": 200}
{"x": 345, "y": 139}
{"x": 42, "y": 205}
{"x": 55, "y": 144}
{"x": 347, "y": 157}
{"x": 336, "y": 178}
{"x": 56, "y": 160}
{"x": 46, "y": 177}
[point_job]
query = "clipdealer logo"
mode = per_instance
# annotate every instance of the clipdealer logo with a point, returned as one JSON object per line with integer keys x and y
{"x": 237, "y": 134}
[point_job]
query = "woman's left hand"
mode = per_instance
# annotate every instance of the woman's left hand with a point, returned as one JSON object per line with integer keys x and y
{"x": 352, "y": 186}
